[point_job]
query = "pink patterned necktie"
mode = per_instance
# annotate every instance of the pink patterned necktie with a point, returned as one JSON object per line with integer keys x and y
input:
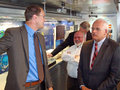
{"x": 94, "y": 56}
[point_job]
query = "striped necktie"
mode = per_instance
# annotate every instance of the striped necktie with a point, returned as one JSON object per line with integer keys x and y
{"x": 94, "y": 56}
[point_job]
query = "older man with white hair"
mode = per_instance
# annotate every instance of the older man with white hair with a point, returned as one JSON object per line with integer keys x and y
{"x": 99, "y": 67}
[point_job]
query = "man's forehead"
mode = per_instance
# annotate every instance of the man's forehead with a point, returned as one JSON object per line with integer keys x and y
{"x": 96, "y": 24}
{"x": 78, "y": 34}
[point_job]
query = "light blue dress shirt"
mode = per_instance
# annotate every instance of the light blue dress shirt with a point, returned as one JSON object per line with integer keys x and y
{"x": 33, "y": 71}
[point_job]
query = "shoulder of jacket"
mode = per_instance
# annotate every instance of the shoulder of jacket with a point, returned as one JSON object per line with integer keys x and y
{"x": 72, "y": 33}
{"x": 113, "y": 43}
{"x": 88, "y": 42}
{"x": 13, "y": 29}
{"x": 39, "y": 33}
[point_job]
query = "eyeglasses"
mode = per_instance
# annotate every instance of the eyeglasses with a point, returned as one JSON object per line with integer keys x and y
{"x": 97, "y": 29}
{"x": 41, "y": 15}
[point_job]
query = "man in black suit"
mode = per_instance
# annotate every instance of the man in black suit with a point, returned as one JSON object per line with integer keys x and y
{"x": 23, "y": 73}
{"x": 99, "y": 67}
{"x": 84, "y": 26}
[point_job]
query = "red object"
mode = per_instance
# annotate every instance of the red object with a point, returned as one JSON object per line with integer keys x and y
{"x": 94, "y": 56}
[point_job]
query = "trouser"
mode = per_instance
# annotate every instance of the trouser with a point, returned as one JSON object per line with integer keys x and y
{"x": 72, "y": 83}
{"x": 40, "y": 86}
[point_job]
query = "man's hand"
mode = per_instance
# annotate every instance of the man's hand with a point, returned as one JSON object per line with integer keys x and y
{"x": 68, "y": 52}
{"x": 85, "y": 88}
{"x": 77, "y": 56}
{"x": 49, "y": 55}
{"x": 50, "y": 88}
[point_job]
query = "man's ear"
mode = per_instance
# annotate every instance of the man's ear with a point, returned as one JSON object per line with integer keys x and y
{"x": 106, "y": 31}
{"x": 34, "y": 16}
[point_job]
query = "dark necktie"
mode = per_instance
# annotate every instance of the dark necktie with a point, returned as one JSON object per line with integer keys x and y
{"x": 38, "y": 58}
{"x": 94, "y": 56}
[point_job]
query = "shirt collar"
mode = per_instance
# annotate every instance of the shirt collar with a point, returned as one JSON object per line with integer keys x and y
{"x": 29, "y": 30}
{"x": 79, "y": 45}
{"x": 100, "y": 42}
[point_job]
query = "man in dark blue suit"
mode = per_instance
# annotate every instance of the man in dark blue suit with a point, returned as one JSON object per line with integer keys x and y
{"x": 102, "y": 72}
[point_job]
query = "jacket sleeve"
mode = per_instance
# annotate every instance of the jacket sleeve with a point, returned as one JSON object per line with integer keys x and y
{"x": 6, "y": 41}
{"x": 114, "y": 76}
{"x": 67, "y": 42}
{"x": 48, "y": 81}
{"x": 80, "y": 80}
{"x": 68, "y": 57}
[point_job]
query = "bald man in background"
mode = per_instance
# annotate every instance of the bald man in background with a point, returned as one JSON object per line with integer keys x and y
{"x": 84, "y": 27}
{"x": 72, "y": 57}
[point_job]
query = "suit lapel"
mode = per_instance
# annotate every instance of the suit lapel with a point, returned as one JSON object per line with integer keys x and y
{"x": 24, "y": 37}
{"x": 89, "y": 49}
{"x": 40, "y": 37}
{"x": 101, "y": 52}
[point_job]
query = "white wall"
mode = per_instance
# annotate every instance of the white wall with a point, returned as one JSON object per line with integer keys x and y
{"x": 110, "y": 18}
{"x": 118, "y": 23}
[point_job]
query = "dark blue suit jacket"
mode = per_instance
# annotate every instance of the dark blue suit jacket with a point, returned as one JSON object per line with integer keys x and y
{"x": 105, "y": 74}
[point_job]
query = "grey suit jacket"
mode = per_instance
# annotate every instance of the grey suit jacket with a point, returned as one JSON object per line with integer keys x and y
{"x": 105, "y": 74}
{"x": 15, "y": 43}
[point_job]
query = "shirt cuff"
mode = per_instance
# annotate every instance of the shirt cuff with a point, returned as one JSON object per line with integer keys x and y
{"x": 81, "y": 85}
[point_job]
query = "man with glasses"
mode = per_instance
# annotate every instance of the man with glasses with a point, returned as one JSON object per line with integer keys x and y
{"x": 25, "y": 46}
{"x": 99, "y": 67}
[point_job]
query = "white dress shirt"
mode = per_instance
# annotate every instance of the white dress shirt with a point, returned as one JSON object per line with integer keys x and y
{"x": 72, "y": 56}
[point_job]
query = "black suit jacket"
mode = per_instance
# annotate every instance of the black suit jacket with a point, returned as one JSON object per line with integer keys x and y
{"x": 69, "y": 42}
{"x": 105, "y": 74}
{"x": 15, "y": 43}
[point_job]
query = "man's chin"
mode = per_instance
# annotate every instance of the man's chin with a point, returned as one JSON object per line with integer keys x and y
{"x": 94, "y": 38}
{"x": 78, "y": 44}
